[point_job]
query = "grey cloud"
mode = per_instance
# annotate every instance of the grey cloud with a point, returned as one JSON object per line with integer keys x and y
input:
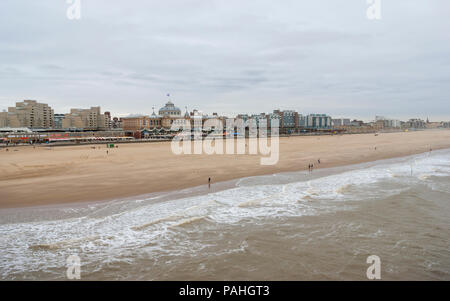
{"x": 229, "y": 56}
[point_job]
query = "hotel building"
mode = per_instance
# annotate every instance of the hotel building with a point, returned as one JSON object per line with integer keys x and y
{"x": 29, "y": 114}
{"x": 86, "y": 119}
{"x": 3, "y": 119}
{"x": 318, "y": 121}
{"x": 167, "y": 116}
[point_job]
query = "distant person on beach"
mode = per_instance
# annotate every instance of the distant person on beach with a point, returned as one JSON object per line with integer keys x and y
{"x": 209, "y": 183}
{"x": 318, "y": 161}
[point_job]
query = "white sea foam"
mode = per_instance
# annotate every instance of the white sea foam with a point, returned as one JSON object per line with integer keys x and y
{"x": 107, "y": 232}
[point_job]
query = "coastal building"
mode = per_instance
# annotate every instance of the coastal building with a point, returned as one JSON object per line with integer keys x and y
{"x": 57, "y": 121}
{"x": 289, "y": 119}
{"x": 433, "y": 125}
{"x": 415, "y": 123}
{"x": 244, "y": 117}
{"x": 30, "y": 114}
{"x": 301, "y": 121}
{"x": 3, "y": 119}
{"x": 318, "y": 121}
{"x": 168, "y": 116}
{"x": 356, "y": 123}
{"x": 383, "y": 122}
{"x": 86, "y": 119}
{"x": 338, "y": 122}
{"x": 136, "y": 123}
{"x": 108, "y": 120}
{"x": 259, "y": 118}
{"x": 116, "y": 123}
{"x": 170, "y": 110}
{"x": 273, "y": 118}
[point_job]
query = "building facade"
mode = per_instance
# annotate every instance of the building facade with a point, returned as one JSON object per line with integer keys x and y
{"x": 58, "y": 118}
{"x": 340, "y": 122}
{"x": 170, "y": 110}
{"x": 301, "y": 121}
{"x": 318, "y": 121}
{"x": 416, "y": 124}
{"x": 289, "y": 119}
{"x": 3, "y": 119}
{"x": 29, "y": 114}
{"x": 168, "y": 115}
{"x": 383, "y": 122}
{"x": 86, "y": 119}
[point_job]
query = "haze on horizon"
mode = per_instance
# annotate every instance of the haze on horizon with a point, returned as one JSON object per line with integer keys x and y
{"x": 230, "y": 56}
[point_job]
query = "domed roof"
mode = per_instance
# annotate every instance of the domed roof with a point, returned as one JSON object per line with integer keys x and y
{"x": 169, "y": 109}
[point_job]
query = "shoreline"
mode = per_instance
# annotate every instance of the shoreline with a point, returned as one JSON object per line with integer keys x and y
{"x": 42, "y": 185}
{"x": 169, "y": 195}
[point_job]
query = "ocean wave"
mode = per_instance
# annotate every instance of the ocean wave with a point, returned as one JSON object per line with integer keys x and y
{"x": 112, "y": 229}
{"x": 188, "y": 221}
{"x": 69, "y": 243}
{"x": 157, "y": 221}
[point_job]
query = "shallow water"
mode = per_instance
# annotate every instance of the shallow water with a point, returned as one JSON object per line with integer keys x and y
{"x": 290, "y": 226}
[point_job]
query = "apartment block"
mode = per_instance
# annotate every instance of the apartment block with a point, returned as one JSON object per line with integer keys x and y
{"x": 86, "y": 119}
{"x": 30, "y": 114}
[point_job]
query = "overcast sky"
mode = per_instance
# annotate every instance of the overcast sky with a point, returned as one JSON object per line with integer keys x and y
{"x": 229, "y": 56}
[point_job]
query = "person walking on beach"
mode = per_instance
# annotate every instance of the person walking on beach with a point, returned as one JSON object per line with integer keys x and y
{"x": 318, "y": 161}
{"x": 209, "y": 183}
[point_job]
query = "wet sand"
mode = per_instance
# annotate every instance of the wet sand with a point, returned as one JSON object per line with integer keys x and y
{"x": 59, "y": 175}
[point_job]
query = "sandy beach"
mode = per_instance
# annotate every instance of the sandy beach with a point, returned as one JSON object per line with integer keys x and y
{"x": 57, "y": 175}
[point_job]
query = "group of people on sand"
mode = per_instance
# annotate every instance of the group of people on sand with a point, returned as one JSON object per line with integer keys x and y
{"x": 311, "y": 166}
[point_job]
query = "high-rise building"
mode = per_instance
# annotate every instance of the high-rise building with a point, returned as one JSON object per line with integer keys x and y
{"x": 30, "y": 114}
{"x": 416, "y": 123}
{"x": 3, "y": 119}
{"x": 57, "y": 123}
{"x": 301, "y": 121}
{"x": 318, "y": 121}
{"x": 108, "y": 120}
{"x": 383, "y": 122}
{"x": 86, "y": 119}
{"x": 289, "y": 119}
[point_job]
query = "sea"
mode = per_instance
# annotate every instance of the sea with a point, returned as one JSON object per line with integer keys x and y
{"x": 322, "y": 225}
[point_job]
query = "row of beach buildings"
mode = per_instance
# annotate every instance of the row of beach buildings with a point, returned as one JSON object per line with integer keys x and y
{"x": 31, "y": 116}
